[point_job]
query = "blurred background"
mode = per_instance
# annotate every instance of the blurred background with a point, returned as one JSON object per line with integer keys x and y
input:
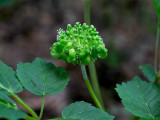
{"x": 28, "y": 29}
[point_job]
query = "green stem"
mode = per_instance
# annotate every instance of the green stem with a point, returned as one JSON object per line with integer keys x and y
{"x": 87, "y": 12}
{"x": 92, "y": 68}
{"x": 24, "y": 105}
{"x": 29, "y": 118}
{"x": 95, "y": 83}
{"x": 88, "y": 84}
{"x": 55, "y": 119}
{"x": 157, "y": 79}
{"x": 42, "y": 107}
{"x": 133, "y": 117}
{"x": 157, "y": 44}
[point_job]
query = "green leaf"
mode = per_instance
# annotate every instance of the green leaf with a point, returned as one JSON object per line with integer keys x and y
{"x": 42, "y": 78}
{"x": 145, "y": 119}
{"x": 8, "y": 80}
{"x": 8, "y": 108}
{"x": 148, "y": 119}
{"x": 67, "y": 119}
{"x": 149, "y": 72}
{"x": 140, "y": 98}
{"x": 84, "y": 111}
{"x": 5, "y": 98}
{"x": 156, "y": 4}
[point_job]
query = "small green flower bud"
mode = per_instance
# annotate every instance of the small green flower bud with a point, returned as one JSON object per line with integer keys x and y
{"x": 68, "y": 33}
{"x": 91, "y": 27}
{"x": 69, "y": 44}
{"x": 59, "y": 48}
{"x": 62, "y": 37}
{"x": 76, "y": 36}
{"x": 55, "y": 54}
{"x": 86, "y": 60}
{"x": 82, "y": 53}
{"x": 69, "y": 27}
{"x": 103, "y": 55}
{"x": 72, "y": 53}
{"x": 77, "y": 24}
{"x": 89, "y": 38}
{"x": 81, "y": 37}
{"x": 78, "y": 44}
{"x": 85, "y": 26}
{"x": 103, "y": 52}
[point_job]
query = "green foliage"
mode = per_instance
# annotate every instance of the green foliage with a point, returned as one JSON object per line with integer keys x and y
{"x": 6, "y": 99}
{"x": 42, "y": 78}
{"x": 8, "y": 80}
{"x": 156, "y": 4}
{"x": 8, "y": 108}
{"x": 147, "y": 119}
{"x": 149, "y": 72}
{"x": 78, "y": 45}
{"x": 6, "y": 3}
{"x": 140, "y": 98}
{"x": 84, "y": 111}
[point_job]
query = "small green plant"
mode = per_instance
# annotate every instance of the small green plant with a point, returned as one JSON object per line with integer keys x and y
{"x": 40, "y": 78}
{"x": 80, "y": 44}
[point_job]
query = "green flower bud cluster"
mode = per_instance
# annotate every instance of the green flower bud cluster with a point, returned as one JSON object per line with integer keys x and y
{"x": 78, "y": 45}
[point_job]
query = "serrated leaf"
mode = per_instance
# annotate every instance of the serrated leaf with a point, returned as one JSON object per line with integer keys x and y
{"x": 8, "y": 108}
{"x": 84, "y": 111}
{"x": 149, "y": 72}
{"x": 156, "y": 4}
{"x": 140, "y": 98}
{"x": 8, "y": 80}
{"x": 42, "y": 78}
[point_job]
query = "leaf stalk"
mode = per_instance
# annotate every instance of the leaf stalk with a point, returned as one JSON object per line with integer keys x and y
{"x": 23, "y": 104}
{"x": 157, "y": 45}
{"x": 42, "y": 107}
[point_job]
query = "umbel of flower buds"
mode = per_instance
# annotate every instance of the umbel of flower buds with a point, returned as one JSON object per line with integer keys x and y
{"x": 78, "y": 45}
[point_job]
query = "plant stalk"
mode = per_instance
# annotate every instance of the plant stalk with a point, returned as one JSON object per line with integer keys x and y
{"x": 87, "y": 12}
{"x": 90, "y": 89}
{"x": 95, "y": 82}
{"x": 92, "y": 68}
{"x": 55, "y": 119}
{"x": 133, "y": 117}
{"x": 29, "y": 118}
{"x": 157, "y": 44}
{"x": 25, "y": 105}
{"x": 42, "y": 107}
